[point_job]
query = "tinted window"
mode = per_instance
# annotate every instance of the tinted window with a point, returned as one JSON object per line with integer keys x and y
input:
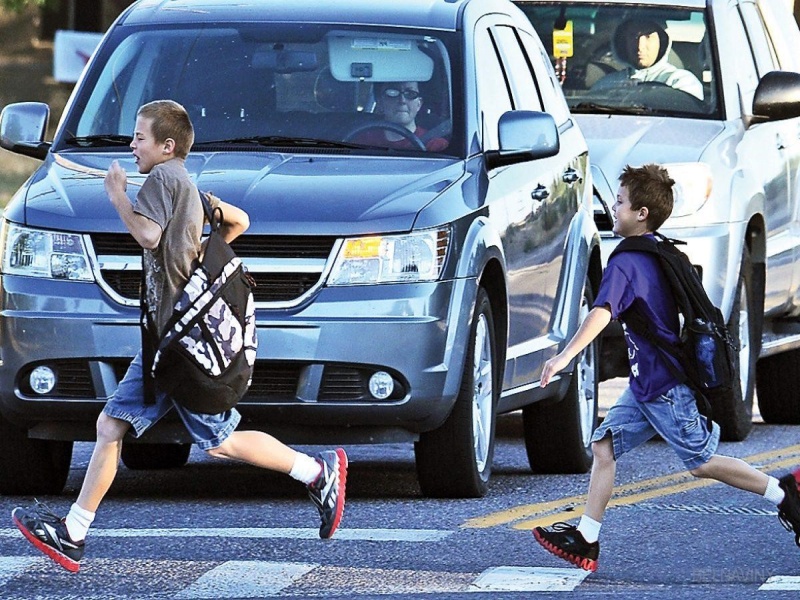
{"x": 300, "y": 81}
{"x": 600, "y": 69}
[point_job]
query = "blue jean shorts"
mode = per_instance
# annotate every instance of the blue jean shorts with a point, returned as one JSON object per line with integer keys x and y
{"x": 127, "y": 404}
{"x": 673, "y": 416}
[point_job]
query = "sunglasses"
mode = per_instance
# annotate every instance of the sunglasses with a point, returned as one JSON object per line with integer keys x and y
{"x": 395, "y": 93}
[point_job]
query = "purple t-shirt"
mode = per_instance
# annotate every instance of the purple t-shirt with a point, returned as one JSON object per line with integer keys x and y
{"x": 634, "y": 281}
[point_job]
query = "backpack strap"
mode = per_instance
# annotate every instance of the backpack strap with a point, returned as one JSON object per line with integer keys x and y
{"x": 213, "y": 215}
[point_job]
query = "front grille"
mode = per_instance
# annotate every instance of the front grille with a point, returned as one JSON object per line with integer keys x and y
{"x": 274, "y": 382}
{"x": 343, "y": 383}
{"x": 283, "y": 286}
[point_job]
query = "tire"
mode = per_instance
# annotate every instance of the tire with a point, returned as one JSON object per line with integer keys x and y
{"x": 777, "y": 378}
{"x": 30, "y": 467}
{"x": 736, "y": 418}
{"x": 455, "y": 460}
{"x": 138, "y": 457}
{"x": 557, "y": 435}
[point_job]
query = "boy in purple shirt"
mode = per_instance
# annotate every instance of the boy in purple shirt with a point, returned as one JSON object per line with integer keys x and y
{"x": 656, "y": 401}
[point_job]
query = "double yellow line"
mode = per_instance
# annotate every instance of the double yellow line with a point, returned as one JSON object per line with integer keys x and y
{"x": 528, "y": 516}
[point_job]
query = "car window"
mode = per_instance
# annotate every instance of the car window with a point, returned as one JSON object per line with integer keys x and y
{"x": 746, "y": 73}
{"x": 766, "y": 60}
{"x": 784, "y": 35}
{"x": 594, "y": 48}
{"x": 549, "y": 86}
{"x": 493, "y": 92}
{"x": 523, "y": 89}
{"x": 287, "y": 82}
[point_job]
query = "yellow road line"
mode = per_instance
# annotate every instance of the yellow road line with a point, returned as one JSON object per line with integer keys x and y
{"x": 563, "y": 509}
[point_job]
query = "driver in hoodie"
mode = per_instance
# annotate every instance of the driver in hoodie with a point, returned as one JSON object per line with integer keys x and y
{"x": 644, "y": 46}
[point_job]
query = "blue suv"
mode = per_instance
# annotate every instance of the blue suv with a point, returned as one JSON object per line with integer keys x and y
{"x": 413, "y": 271}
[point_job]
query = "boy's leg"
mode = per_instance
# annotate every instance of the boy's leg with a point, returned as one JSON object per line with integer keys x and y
{"x": 325, "y": 475}
{"x": 624, "y": 428}
{"x": 601, "y": 483}
{"x": 104, "y": 463}
{"x": 62, "y": 539}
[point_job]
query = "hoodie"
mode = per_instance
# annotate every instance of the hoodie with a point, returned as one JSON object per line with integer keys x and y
{"x": 661, "y": 71}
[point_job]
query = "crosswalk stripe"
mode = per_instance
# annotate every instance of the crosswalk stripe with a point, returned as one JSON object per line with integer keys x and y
{"x": 372, "y": 535}
{"x": 528, "y": 579}
{"x": 785, "y": 583}
{"x": 245, "y": 579}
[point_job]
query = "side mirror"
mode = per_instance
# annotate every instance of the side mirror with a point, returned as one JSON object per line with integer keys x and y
{"x": 777, "y": 97}
{"x": 524, "y": 135}
{"x": 22, "y": 128}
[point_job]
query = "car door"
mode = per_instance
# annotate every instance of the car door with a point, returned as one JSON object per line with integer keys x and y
{"x": 766, "y": 151}
{"x": 520, "y": 197}
{"x": 784, "y": 35}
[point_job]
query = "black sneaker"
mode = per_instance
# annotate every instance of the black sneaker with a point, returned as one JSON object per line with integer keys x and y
{"x": 789, "y": 508}
{"x": 45, "y": 530}
{"x": 328, "y": 490}
{"x": 565, "y": 541}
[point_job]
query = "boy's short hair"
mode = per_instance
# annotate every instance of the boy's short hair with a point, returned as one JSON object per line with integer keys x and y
{"x": 168, "y": 119}
{"x": 649, "y": 186}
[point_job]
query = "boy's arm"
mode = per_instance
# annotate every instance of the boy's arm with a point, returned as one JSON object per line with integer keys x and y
{"x": 592, "y": 326}
{"x": 145, "y": 231}
{"x": 235, "y": 221}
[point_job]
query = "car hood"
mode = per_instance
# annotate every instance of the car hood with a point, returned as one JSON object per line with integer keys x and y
{"x": 282, "y": 193}
{"x": 619, "y": 140}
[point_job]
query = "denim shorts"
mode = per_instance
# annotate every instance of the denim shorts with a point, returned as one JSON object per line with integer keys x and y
{"x": 127, "y": 404}
{"x": 673, "y": 416}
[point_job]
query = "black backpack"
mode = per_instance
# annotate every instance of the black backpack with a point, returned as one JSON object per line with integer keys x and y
{"x": 205, "y": 358}
{"x": 706, "y": 351}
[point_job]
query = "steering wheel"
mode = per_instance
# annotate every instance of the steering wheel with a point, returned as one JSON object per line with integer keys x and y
{"x": 662, "y": 95}
{"x": 387, "y": 126}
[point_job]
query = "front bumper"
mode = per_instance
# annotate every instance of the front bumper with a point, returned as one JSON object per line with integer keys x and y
{"x": 312, "y": 369}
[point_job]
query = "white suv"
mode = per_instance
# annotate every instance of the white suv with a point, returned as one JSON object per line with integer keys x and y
{"x": 720, "y": 107}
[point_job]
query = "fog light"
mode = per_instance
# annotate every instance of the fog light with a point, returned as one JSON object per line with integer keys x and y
{"x": 43, "y": 380}
{"x": 381, "y": 385}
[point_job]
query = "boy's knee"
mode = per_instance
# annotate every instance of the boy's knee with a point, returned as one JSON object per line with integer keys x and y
{"x": 110, "y": 429}
{"x": 218, "y": 451}
{"x": 701, "y": 472}
{"x": 603, "y": 451}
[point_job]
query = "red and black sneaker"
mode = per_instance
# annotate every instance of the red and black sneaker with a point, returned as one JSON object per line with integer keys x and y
{"x": 47, "y": 532}
{"x": 565, "y": 541}
{"x": 789, "y": 509}
{"x": 328, "y": 491}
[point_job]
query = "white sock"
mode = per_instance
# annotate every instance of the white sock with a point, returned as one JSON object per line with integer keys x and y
{"x": 305, "y": 468}
{"x": 78, "y": 522}
{"x": 589, "y": 528}
{"x": 774, "y": 493}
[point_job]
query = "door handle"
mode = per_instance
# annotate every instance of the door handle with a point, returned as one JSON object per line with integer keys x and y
{"x": 570, "y": 176}
{"x": 540, "y": 193}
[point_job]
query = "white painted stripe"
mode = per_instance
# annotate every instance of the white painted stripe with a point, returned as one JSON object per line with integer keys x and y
{"x": 528, "y": 579}
{"x": 11, "y": 566}
{"x": 245, "y": 579}
{"x": 372, "y": 535}
{"x": 786, "y": 583}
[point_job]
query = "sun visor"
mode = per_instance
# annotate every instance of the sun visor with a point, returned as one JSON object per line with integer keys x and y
{"x": 384, "y": 58}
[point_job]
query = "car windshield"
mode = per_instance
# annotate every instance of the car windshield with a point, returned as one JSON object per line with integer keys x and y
{"x": 299, "y": 86}
{"x": 618, "y": 59}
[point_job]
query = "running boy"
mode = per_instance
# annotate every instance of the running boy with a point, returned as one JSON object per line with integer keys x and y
{"x": 167, "y": 221}
{"x": 656, "y": 402}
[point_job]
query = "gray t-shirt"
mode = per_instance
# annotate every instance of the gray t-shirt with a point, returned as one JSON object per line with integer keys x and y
{"x": 169, "y": 198}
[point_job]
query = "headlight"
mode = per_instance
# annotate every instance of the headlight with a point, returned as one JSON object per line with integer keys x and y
{"x": 693, "y": 183}
{"x": 39, "y": 253}
{"x": 411, "y": 257}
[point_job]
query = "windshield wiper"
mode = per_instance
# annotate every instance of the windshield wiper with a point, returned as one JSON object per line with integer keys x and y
{"x": 279, "y": 140}
{"x": 593, "y": 107}
{"x": 99, "y": 140}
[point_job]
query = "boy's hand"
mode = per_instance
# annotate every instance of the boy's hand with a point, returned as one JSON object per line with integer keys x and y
{"x": 553, "y": 366}
{"x": 116, "y": 180}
